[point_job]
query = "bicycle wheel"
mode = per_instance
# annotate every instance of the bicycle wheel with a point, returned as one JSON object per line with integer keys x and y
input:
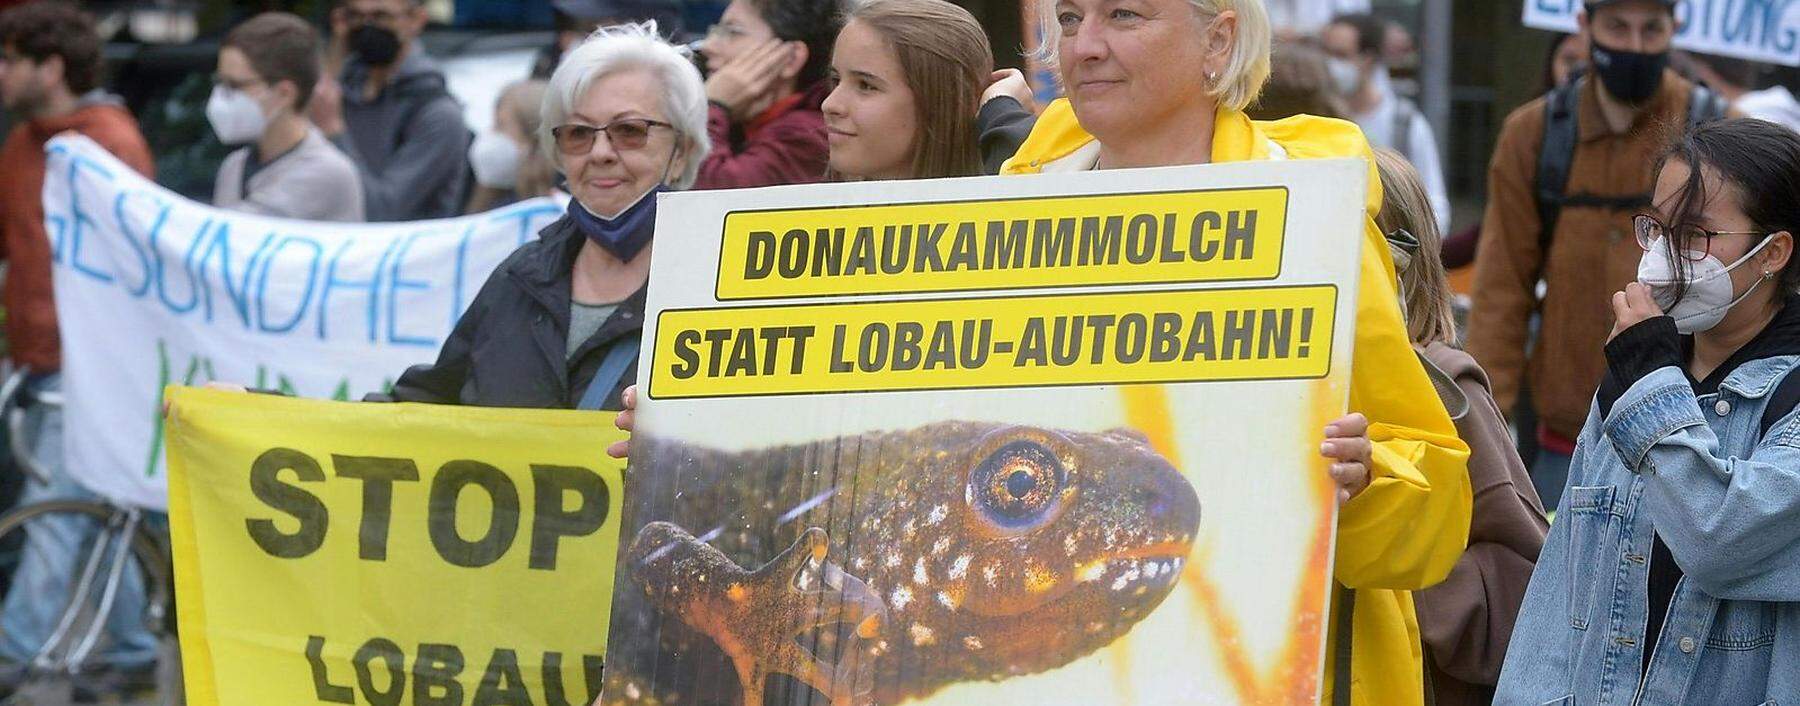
{"x": 78, "y": 632}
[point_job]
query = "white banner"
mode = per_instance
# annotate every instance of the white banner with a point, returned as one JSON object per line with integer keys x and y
{"x": 153, "y": 290}
{"x": 1759, "y": 30}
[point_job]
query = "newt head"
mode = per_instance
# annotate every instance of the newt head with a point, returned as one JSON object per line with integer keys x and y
{"x": 1028, "y": 547}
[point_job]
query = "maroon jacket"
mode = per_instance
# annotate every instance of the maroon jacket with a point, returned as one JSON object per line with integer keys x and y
{"x": 28, "y": 297}
{"x": 784, "y": 145}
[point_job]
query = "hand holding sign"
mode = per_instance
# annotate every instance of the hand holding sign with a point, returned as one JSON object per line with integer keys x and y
{"x": 1347, "y": 443}
{"x": 338, "y": 533}
{"x": 622, "y": 449}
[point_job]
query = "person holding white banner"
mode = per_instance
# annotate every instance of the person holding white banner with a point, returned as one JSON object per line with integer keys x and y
{"x": 1165, "y": 82}
{"x": 557, "y": 324}
{"x": 267, "y": 69}
{"x": 1400, "y": 469}
{"x": 50, "y": 64}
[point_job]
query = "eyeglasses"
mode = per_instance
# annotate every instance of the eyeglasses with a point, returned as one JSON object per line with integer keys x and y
{"x": 725, "y": 32}
{"x": 380, "y": 18}
{"x": 235, "y": 85}
{"x": 1693, "y": 242}
{"x": 623, "y": 135}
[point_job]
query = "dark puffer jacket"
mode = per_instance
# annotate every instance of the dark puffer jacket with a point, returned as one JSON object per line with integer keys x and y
{"x": 507, "y": 350}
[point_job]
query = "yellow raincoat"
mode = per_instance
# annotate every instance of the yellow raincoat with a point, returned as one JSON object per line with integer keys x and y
{"x": 1409, "y": 527}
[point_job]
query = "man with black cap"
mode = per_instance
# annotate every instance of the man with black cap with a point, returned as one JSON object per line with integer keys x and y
{"x": 576, "y": 19}
{"x": 391, "y": 111}
{"x": 1569, "y": 171}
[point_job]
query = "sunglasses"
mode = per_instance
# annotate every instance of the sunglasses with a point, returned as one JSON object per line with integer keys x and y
{"x": 624, "y": 135}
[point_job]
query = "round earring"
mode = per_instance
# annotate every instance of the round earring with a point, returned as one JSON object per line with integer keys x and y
{"x": 1212, "y": 77}
{"x": 1767, "y": 274}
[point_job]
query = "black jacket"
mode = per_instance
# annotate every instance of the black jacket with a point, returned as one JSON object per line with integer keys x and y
{"x": 507, "y": 350}
{"x": 1001, "y": 126}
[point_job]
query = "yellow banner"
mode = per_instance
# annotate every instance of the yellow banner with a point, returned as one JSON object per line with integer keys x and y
{"x": 1144, "y": 238}
{"x": 332, "y": 552}
{"x": 1265, "y": 333}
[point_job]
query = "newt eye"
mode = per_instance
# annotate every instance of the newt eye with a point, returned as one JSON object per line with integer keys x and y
{"x": 1015, "y": 484}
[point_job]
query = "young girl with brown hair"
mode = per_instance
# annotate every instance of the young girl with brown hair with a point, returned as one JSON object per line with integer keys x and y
{"x": 1465, "y": 622}
{"x": 909, "y": 76}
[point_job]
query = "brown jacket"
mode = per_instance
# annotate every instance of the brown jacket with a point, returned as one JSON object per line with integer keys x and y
{"x": 1467, "y": 621}
{"x": 1592, "y": 253}
{"x": 29, "y": 300}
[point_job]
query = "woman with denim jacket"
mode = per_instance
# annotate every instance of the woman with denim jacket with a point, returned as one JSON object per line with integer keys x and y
{"x": 1672, "y": 571}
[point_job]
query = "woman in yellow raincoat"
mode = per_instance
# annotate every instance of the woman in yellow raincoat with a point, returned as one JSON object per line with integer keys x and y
{"x": 1165, "y": 82}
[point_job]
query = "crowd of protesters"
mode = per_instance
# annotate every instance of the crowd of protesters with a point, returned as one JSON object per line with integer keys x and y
{"x": 1628, "y": 345}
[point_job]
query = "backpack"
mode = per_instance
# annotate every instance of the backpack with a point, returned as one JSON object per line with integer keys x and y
{"x": 1782, "y": 401}
{"x": 1404, "y": 110}
{"x": 1557, "y": 153}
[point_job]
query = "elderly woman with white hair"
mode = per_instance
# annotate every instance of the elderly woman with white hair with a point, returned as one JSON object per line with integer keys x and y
{"x": 1165, "y": 82}
{"x": 558, "y": 323}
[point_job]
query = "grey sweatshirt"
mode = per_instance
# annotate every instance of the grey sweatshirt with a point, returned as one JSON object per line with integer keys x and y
{"x": 314, "y": 181}
{"x": 409, "y": 142}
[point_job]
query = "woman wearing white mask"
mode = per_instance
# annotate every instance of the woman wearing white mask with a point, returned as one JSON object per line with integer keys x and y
{"x": 507, "y": 166}
{"x": 557, "y": 324}
{"x": 1672, "y": 572}
{"x": 267, "y": 69}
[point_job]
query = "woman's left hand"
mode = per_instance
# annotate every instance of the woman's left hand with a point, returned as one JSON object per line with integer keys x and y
{"x": 625, "y": 421}
{"x": 1347, "y": 445}
{"x": 1631, "y": 307}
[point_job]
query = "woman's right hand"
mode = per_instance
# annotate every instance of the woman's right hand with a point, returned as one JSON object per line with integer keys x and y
{"x": 1010, "y": 83}
{"x": 744, "y": 84}
{"x": 622, "y": 449}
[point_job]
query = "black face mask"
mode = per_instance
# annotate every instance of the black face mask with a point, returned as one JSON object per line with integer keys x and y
{"x": 1628, "y": 76}
{"x": 377, "y": 46}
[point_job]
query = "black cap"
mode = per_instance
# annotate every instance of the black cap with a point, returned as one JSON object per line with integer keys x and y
{"x": 1597, "y": 4}
{"x": 611, "y": 9}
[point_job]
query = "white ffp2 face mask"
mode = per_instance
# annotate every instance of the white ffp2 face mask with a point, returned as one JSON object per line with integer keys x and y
{"x": 235, "y": 116}
{"x": 1707, "y": 297}
{"x": 495, "y": 159}
{"x": 1344, "y": 75}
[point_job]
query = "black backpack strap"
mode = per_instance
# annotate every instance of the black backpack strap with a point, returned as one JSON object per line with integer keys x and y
{"x": 1704, "y": 106}
{"x": 1782, "y": 401}
{"x": 1404, "y": 110}
{"x": 1555, "y": 156}
{"x": 1345, "y": 619}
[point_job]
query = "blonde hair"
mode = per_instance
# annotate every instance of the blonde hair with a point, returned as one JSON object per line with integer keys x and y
{"x": 1241, "y": 81}
{"x": 1424, "y": 286}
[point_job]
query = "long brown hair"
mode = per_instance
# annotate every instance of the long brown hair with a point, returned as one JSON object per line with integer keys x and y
{"x": 946, "y": 60}
{"x": 1424, "y": 286}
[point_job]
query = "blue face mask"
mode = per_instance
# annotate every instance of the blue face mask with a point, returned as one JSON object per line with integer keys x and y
{"x": 623, "y": 235}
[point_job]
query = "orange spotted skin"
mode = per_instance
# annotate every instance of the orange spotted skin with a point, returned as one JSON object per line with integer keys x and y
{"x": 882, "y": 567}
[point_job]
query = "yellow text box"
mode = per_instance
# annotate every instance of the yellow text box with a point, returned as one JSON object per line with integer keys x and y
{"x": 330, "y": 552}
{"x": 1165, "y": 237}
{"x": 1080, "y": 339}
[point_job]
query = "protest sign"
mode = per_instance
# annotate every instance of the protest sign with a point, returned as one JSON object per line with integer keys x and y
{"x": 153, "y": 290}
{"x": 330, "y": 552}
{"x": 1758, "y": 30}
{"x": 1005, "y": 440}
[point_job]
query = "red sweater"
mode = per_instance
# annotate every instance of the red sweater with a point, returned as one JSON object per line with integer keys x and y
{"x": 784, "y": 145}
{"x": 29, "y": 299}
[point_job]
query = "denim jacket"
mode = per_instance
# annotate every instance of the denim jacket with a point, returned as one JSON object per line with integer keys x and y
{"x": 1727, "y": 504}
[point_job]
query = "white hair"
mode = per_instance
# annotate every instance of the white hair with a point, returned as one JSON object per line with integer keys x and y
{"x": 1241, "y": 81}
{"x": 613, "y": 49}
